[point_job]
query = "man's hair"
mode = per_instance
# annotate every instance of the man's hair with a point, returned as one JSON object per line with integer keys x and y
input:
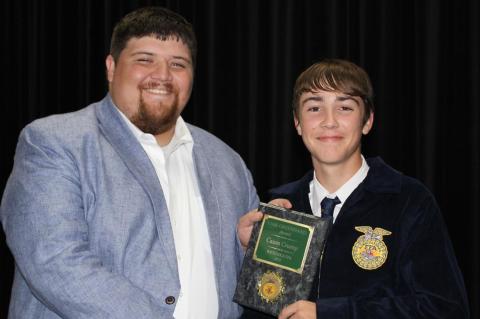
{"x": 335, "y": 75}
{"x": 157, "y": 22}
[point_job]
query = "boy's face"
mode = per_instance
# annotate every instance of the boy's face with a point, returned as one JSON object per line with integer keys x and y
{"x": 331, "y": 126}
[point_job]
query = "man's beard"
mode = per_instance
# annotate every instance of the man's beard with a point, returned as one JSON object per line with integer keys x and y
{"x": 156, "y": 119}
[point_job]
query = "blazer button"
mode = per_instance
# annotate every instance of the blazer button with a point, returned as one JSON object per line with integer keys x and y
{"x": 170, "y": 300}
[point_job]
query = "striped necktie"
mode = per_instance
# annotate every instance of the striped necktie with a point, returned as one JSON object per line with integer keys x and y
{"x": 328, "y": 205}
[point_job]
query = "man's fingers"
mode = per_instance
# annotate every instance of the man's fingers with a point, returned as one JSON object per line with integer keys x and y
{"x": 282, "y": 202}
{"x": 250, "y": 218}
{"x": 245, "y": 226}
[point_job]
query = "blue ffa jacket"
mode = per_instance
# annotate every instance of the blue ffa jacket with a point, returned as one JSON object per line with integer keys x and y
{"x": 86, "y": 220}
{"x": 420, "y": 277}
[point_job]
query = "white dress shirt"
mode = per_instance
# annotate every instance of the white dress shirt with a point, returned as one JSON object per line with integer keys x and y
{"x": 318, "y": 192}
{"x": 174, "y": 166}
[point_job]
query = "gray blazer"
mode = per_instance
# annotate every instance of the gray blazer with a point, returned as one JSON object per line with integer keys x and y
{"x": 87, "y": 223}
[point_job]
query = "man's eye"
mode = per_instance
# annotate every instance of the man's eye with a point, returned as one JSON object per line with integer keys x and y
{"x": 313, "y": 109}
{"x": 144, "y": 60}
{"x": 178, "y": 65}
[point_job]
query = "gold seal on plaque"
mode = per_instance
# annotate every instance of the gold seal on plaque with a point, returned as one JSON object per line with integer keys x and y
{"x": 270, "y": 286}
{"x": 369, "y": 251}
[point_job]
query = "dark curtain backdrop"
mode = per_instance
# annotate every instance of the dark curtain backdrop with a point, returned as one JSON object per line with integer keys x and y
{"x": 423, "y": 58}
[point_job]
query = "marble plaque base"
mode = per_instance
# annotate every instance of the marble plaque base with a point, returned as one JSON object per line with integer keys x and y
{"x": 269, "y": 287}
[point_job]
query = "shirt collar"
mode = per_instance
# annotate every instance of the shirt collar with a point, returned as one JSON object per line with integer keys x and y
{"x": 180, "y": 137}
{"x": 318, "y": 192}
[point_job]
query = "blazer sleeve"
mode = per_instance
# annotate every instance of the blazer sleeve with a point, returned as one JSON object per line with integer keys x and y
{"x": 427, "y": 275}
{"x": 252, "y": 203}
{"x": 46, "y": 229}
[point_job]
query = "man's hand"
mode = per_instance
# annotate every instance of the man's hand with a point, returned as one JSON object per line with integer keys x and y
{"x": 299, "y": 310}
{"x": 245, "y": 226}
{"x": 246, "y": 222}
{"x": 282, "y": 202}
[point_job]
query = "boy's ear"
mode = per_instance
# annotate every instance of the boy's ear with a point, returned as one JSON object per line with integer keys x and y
{"x": 297, "y": 125}
{"x": 368, "y": 124}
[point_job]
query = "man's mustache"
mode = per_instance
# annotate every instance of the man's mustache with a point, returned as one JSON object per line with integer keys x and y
{"x": 157, "y": 85}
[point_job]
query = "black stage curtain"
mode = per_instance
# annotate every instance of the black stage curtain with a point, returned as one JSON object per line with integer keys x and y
{"x": 423, "y": 58}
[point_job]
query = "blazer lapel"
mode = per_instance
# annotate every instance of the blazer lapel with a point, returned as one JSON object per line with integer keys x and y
{"x": 303, "y": 200}
{"x": 132, "y": 154}
{"x": 210, "y": 202}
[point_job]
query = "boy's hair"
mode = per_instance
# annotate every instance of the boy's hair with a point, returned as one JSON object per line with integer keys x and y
{"x": 153, "y": 21}
{"x": 335, "y": 75}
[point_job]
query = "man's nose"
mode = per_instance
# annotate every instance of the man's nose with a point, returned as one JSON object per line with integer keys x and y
{"x": 162, "y": 72}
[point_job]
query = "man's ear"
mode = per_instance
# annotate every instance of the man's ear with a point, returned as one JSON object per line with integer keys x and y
{"x": 110, "y": 64}
{"x": 368, "y": 124}
{"x": 297, "y": 125}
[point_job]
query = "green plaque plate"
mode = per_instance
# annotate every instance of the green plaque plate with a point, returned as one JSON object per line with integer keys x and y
{"x": 283, "y": 243}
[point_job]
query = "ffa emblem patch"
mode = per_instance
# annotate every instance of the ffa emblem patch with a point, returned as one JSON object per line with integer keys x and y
{"x": 271, "y": 286}
{"x": 369, "y": 251}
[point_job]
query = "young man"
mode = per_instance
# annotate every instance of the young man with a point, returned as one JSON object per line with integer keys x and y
{"x": 388, "y": 254}
{"x": 120, "y": 210}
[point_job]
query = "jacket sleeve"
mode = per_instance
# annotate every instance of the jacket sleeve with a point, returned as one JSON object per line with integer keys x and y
{"x": 46, "y": 229}
{"x": 252, "y": 203}
{"x": 428, "y": 282}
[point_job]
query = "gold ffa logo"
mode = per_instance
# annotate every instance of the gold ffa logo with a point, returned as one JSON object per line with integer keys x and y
{"x": 271, "y": 286}
{"x": 369, "y": 251}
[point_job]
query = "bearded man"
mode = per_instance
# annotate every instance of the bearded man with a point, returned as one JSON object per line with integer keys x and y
{"x": 121, "y": 209}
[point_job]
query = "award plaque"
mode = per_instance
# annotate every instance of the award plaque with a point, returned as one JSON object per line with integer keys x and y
{"x": 281, "y": 260}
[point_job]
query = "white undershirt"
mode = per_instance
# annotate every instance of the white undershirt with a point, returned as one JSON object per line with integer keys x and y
{"x": 318, "y": 192}
{"x": 174, "y": 166}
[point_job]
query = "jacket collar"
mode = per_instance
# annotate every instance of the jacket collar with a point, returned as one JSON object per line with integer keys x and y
{"x": 381, "y": 178}
{"x": 119, "y": 135}
{"x": 132, "y": 154}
